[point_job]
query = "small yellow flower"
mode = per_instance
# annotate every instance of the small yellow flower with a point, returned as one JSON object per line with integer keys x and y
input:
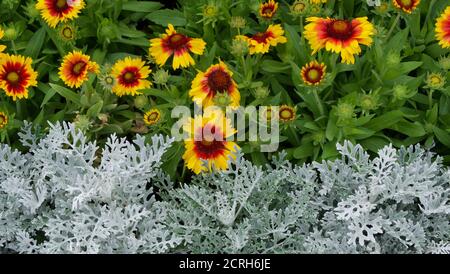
{"x": 313, "y": 73}
{"x": 152, "y": 116}
{"x": 16, "y": 75}
{"x": 435, "y": 81}
{"x": 267, "y": 10}
{"x": 261, "y": 41}
{"x": 130, "y": 76}
{"x": 75, "y": 67}
{"x": 407, "y": 6}
{"x": 178, "y": 45}
{"x": 287, "y": 113}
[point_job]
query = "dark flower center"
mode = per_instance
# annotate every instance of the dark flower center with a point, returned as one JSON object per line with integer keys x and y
{"x": 2, "y": 119}
{"x": 405, "y": 3}
{"x": 340, "y": 29}
{"x": 209, "y": 146}
{"x": 267, "y": 10}
{"x": 129, "y": 77}
{"x": 153, "y": 116}
{"x": 219, "y": 81}
{"x": 60, "y": 5}
{"x": 177, "y": 41}
{"x": 78, "y": 68}
{"x": 261, "y": 37}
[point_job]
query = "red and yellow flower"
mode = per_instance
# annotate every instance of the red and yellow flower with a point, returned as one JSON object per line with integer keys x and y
{"x": 313, "y": 73}
{"x": 267, "y": 10}
{"x": 152, "y": 116}
{"x": 16, "y": 75}
{"x": 3, "y": 120}
{"x": 287, "y": 113}
{"x": 75, "y": 67}
{"x": 443, "y": 29}
{"x": 178, "y": 45}
{"x": 407, "y": 6}
{"x": 261, "y": 41}
{"x": 56, "y": 11}
{"x": 130, "y": 74}
{"x": 218, "y": 79}
{"x": 208, "y": 142}
{"x": 339, "y": 36}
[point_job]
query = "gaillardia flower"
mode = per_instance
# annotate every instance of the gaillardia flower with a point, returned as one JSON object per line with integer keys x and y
{"x": 267, "y": 10}
{"x": 3, "y": 120}
{"x": 16, "y": 75}
{"x": 56, "y": 11}
{"x": 443, "y": 29}
{"x": 261, "y": 41}
{"x": 131, "y": 75}
{"x": 152, "y": 116}
{"x": 216, "y": 80}
{"x": 313, "y": 73}
{"x": 178, "y": 45}
{"x": 339, "y": 36}
{"x": 75, "y": 67}
{"x": 287, "y": 113}
{"x": 207, "y": 141}
{"x": 406, "y": 5}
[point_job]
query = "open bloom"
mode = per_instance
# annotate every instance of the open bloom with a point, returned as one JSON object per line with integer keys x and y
{"x": 16, "y": 75}
{"x": 75, "y": 67}
{"x": 406, "y": 5}
{"x": 287, "y": 113}
{"x": 207, "y": 141}
{"x": 3, "y": 120}
{"x": 130, "y": 75}
{"x": 56, "y": 11}
{"x": 261, "y": 41}
{"x": 267, "y": 10}
{"x": 216, "y": 80}
{"x": 152, "y": 116}
{"x": 339, "y": 36}
{"x": 443, "y": 29}
{"x": 313, "y": 73}
{"x": 178, "y": 45}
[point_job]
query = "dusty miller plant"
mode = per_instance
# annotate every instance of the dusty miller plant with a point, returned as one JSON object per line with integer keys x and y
{"x": 66, "y": 195}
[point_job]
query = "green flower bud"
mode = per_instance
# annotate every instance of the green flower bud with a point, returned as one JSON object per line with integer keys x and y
{"x": 318, "y": 137}
{"x": 82, "y": 123}
{"x": 239, "y": 47}
{"x": 444, "y": 63}
{"x": 435, "y": 81}
{"x": 393, "y": 59}
{"x": 140, "y": 101}
{"x": 161, "y": 77}
{"x": 299, "y": 7}
{"x": 31, "y": 11}
{"x": 238, "y": 22}
{"x": 369, "y": 102}
{"x": 108, "y": 30}
{"x": 11, "y": 33}
{"x": 222, "y": 99}
{"x": 401, "y": 92}
{"x": 345, "y": 111}
{"x": 261, "y": 92}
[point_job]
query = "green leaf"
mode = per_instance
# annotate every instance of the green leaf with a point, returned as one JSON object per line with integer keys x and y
{"x": 67, "y": 93}
{"x": 35, "y": 44}
{"x": 274, "y": 66}
{"x": 141, "y": 6}
{"x": 385, "y": 120}
{"x": 166, "y": 17}
{"x": 442, "y": 135}
{"x": 95, "y": 109}
{"x": 304, "y": 151}
{"x": 410, "y": 129}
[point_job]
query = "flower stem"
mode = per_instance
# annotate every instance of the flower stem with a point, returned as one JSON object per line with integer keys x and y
{"x": 393, "y": 26}
{"x": 430, "y": 98}
{"x": 318, "y": 103}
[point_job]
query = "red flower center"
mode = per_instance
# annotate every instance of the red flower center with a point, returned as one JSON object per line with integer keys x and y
{"x": 261, "y": 37}
{"x": 78, "y": 68}
{"x": 13, "y": 78}
{"x": 405, "y": 3}
{"x": 177, "y": 41}
{"x": 209, "y": 147}
{"x": 60, "y": 5}
{"x": 314, "y": 74}
{"x": 267, "y": 10}
{"x": 219, "y": 81}
{"x": 340, "y": 29}
{"x": 153, "y": 116}
{"x": 130, "y": 77}
{"x": 2, "y": 119}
